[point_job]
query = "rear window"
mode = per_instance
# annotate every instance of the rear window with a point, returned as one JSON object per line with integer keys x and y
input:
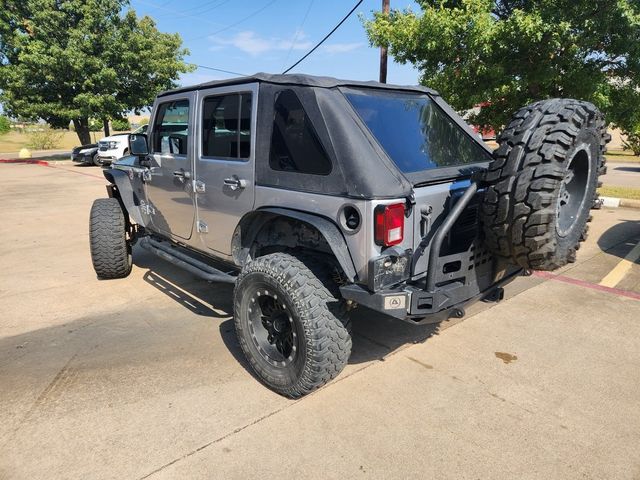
{"x": 414, "y": 131}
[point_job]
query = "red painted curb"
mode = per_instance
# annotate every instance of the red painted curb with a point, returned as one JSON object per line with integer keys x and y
{"x": 592, "y": 286}
{"x": 23, "y": 160}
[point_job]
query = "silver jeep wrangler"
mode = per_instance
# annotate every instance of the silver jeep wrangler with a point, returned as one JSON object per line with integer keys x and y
{"x": 319, "y": 195}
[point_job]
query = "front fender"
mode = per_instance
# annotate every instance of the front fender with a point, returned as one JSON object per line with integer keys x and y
{"x": 129, "y": 200}
{"x": 251, "y": 224}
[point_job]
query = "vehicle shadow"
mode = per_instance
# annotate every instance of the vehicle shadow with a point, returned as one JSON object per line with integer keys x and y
{"x": 620, "y": 238}
{"x": 628, "y": 168}
{"x": 374, "y": 335}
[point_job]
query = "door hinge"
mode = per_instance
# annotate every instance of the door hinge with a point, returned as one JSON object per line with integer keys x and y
{"x": 199, "y": 187}
{"x": 202, "y": 227}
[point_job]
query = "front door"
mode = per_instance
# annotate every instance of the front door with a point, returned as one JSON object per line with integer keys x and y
{"x": 170, "y": 189}
{"x": 225, "y": 162}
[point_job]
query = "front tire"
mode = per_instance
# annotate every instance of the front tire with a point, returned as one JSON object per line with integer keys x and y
{"x": 291, "y": 327}
{"x": 110, "y": 247}
{"x": 96, "y": 160}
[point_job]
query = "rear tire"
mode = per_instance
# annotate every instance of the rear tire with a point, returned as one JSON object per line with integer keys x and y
{"x": 543, "y": 182}
{"x": 291, "y": 327}
{"x": 96, "y": 160}
{"x": 110, "y": 248}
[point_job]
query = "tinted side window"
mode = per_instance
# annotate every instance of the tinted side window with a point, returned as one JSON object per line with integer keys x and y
{"x": 171, "y": 128}
{"x": 295, "y": 147}
{"x": 226, "y": 126}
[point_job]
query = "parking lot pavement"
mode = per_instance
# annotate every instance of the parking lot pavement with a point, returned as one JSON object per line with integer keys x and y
{"x": 622, "y": 174}
{"x": 143, "y": 378}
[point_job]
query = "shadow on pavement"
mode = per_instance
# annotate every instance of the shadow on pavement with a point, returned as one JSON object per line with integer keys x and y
{"x": 374, "y": 335}
{"x": 621, "y": 238}
{"x": 628, "y": 169}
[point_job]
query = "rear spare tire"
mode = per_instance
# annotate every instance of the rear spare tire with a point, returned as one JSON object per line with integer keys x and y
{"x": 110, "y": 247}
{"x": 542, "y": 183}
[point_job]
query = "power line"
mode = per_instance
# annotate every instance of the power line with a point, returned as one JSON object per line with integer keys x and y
{"x": 229, "y": 27}
{"x": 295, "y": 37}
{"x": 325, "y": 38}
{"x": 220, "y": 70}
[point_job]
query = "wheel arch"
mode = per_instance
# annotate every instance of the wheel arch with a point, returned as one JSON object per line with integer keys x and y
{"x": 121, "y": 189}
{"x": 258, "y": 227}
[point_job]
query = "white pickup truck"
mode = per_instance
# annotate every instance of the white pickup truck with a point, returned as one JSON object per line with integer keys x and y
{"x": 114, "y": 147}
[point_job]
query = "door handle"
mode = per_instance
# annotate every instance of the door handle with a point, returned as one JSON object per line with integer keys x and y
{"x": 182, "y": 174}
{"x": 235, "y": 183}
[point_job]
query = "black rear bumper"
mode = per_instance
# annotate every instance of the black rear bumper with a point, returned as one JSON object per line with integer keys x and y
{"x": 453, "y": 280}
{"x": 414, "y": 304}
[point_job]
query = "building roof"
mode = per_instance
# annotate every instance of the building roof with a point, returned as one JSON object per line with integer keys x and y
{"x": 299, "y": 79}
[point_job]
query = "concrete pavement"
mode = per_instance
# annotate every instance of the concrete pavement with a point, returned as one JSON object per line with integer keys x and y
{"x": 143, "y": 377}
{"x": 622, "y": 174}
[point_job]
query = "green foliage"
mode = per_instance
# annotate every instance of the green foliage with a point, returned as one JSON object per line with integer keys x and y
{"x": 632, "y": 142}
{"x": 95, "y": 125}
{"x": 120, "y": 125}
{"x": 505, "y": 54}
{"x": 43, "y": 137}
{"x": 5, "y": 125}
{"x": 143, "y": 121}
{"x": 78, "y": 59}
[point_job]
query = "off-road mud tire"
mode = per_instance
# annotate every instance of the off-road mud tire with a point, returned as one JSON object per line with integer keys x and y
{"x": 110, "y": 247}
{"x": 526, "y": 182}
{"x": 318, "y": 315}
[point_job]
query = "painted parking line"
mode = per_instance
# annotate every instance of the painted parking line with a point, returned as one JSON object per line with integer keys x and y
{"x": 622, "y": 268}
{"x": 593, "y": 286}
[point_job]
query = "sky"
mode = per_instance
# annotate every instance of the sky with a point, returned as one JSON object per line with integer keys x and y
{"x": 249, "y": 36}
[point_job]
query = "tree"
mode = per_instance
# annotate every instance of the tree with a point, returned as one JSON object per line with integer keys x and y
{"x": 71, "y": 60}
{"x": 504, "y": 54}
{"x": 120, "y": 124}
{"x": 5, "y": 124}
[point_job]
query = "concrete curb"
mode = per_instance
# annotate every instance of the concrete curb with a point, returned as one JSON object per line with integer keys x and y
{"x": 24, "y": 160}
{"x": 613, "y": 202}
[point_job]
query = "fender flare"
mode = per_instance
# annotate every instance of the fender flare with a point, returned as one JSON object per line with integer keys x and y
{"x": 250, "y": 225}
{"x": 124, "y": 193}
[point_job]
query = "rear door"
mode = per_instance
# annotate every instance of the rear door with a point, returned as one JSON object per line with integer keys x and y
{"x": 170, "y": 189}
{"x": 225, "y": 161}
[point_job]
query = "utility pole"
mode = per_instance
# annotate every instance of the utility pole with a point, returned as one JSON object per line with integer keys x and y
{"x": 383, "y": 50}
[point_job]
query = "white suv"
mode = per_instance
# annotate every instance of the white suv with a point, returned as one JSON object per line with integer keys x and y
{"x": 115, "y": 147}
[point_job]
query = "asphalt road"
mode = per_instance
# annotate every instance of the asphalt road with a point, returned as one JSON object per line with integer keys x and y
{"x": 143, "y": 377}
{"x": 622, "y": 174}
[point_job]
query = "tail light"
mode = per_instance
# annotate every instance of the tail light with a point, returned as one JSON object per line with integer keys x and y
{"x": 389, "y": 224}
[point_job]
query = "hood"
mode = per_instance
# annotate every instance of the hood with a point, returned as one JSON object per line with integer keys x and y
{"x": 115, "y": 138}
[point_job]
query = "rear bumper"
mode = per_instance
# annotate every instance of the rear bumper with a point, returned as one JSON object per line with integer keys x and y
{"x": 412, "y": 303}
{"x": 459, "y": 277}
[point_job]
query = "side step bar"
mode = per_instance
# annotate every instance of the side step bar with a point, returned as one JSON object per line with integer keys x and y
{"x": 180, "y": 259}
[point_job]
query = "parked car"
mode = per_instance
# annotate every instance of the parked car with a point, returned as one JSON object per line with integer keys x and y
{"x": 86, "y": 154}
{"x": 319, "y": 195}
{"x": 116, "y": 146}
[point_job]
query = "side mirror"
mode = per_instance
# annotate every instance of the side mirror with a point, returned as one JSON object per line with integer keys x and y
{"x": 138, "y": 145}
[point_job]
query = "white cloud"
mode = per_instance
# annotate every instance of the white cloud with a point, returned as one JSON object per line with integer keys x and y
{"x": 251, "y": 43}
{"x": 342, "y": 47}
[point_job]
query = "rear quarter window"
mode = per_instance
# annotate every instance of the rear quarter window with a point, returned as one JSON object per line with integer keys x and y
{"x": 295, "y": 146}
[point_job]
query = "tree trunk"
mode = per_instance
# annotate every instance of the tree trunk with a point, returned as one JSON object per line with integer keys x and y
{"x": 82, "y": 130}
{"x": 105, "y": 123}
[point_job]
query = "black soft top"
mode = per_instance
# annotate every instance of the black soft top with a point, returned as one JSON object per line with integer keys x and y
{"x": 361, "y": 167}
{"x": 299, "y": 80}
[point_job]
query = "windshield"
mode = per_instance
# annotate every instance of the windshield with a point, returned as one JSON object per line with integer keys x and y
{"x": 414, "y": 131}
